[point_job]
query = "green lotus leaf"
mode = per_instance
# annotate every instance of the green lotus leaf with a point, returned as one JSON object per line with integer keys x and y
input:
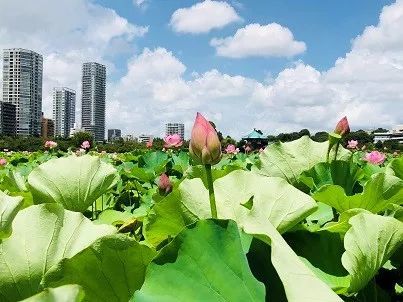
{"x": 66, "y": 293}
{"x": 272, "y": 197}
{"x": 203, "y": 263}
{"x": 289, "y": 160}
{"x": 9, "y": 207}
{"x": 109, "y": 270}
{"x": 75, "y": 182}
{"x": 395, "y": 167}
{"x": 369, "y": 243}
{"x": 380, "y": 191}
{"x": 300, "y": 283}
{"x": 42, "y": 236}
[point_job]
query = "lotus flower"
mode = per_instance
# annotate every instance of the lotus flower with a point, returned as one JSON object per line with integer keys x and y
{"x": 85, "y": 145}
{"x": 50, "y": 144}
{"x": 261, "y": 150}
{"x": 231, "y": 149}
{"x": 205, "y": 147}
{"x": 352, "y": 144}
{"x": 342, "y": 127}
{"x": 375, "y": 157}
{"x": 149, "y": 144}
{"x": 248, "y": 149}
{"x": 164, "y": 184}
{"x": 3, "y": 162}
{"x": 173, "y": 141}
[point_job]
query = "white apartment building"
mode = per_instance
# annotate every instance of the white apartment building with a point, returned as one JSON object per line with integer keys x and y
{"x": 175, "y": 128}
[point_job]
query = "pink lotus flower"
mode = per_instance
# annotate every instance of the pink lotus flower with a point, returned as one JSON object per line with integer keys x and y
{"x": 261, "y": 150}
{"x": 204, "y": 147}
{"x": 248, "y": 149}
{"x": 375, "y": 157}
{"x": 3, "y": 162}
{"x": 164, "y": 184}
{"x": 231, "y": 149}
{"x": 85, "y": 145}
{"x": 342, "y": 127}
{"x": 149, "y": 144}
{"x": 50, "y": 144}
{"x": 352, "y": 144}
{"x": 173, "y": 141}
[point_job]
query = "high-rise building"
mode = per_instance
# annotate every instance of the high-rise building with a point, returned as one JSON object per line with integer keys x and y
{"x": 8, "y": 125}
{"x": 175, "y": 128}
{"x": 47, "y": 127}
{"x": 22, "y": 86}
{"x": 114, "y": 134}
{"x": 93, "y": 99}
{"x": 64, "y": 110}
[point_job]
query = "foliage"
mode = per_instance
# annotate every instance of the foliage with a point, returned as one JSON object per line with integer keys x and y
{"x": 291, "y": 225}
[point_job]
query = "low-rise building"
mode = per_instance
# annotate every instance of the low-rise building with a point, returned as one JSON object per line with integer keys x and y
{"x": 396, "y": 134}
{"x": 175, "y": 128}
{"x": 145, "y": 138}
{"x": 47, "y": 127}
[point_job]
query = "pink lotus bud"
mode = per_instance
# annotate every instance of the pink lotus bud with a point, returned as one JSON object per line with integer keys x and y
{"x": 342, "y": 127}
{"x": 261, "y": 150}
{"x": 149, "y": 144}
{"x": 85, "y": 145}
{"x": 375, "y": 157}
{"x": 248, "y": 149}
{"x": 164, "y": 184}
{"x": 204, "y": 147}
{"x": 231, "y": 149}
{"x": 3, "y": 162}
{"x": 173, "y": 141}
{"x": 352, "y": 144}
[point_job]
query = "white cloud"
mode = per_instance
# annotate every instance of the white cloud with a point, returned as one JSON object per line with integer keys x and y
{"x": 67, "y": 33}
{"x": 143, "y": 4}
{"x": 255, "y": 40}
{"x": 203, "y": 17}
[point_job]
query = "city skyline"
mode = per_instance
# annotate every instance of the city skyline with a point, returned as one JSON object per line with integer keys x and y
{"x": 165, "y": 64}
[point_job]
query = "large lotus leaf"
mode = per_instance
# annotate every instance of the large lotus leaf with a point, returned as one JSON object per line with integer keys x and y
{"x": 240, "y": 195}
{"x": 299, "y": 282}
{"x": 342, "y": 225}
{"x": 311, "y": 248}
{"x": 369, "y": 243}
{"x": 395, "y": 167}
{"x": 154, "y": 161}
{"x": 66, "y": 293}
{"x": 42, "y": 236}
{"x": 203, "y": 263}
{"x": 289, "y": 160}
{"x": 9, "y": 207}
{"x": 75, "y": 182}
{"x": 243, "y": 195}
{"x": 166, "y": 219}
{"x": 380, "y": 191}
{"x": 345, "y": 174}
{"x": 111, "y": 269}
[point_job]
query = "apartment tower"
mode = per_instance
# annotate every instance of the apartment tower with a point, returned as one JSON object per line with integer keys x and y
{"x": 93, "y": 99}
{"x": 64, "y": 110}
{"x": 22, "y": 86}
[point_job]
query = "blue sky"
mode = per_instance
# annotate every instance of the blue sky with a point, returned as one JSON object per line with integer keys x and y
{"x": 327, "y": 27}
{"x": 276, "y": 65}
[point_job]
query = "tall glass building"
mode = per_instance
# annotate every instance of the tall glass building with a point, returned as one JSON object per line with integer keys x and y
{"x": 64, "y": 110}
{"x": 93, "y": 99}
{"x": 22, "y": 86}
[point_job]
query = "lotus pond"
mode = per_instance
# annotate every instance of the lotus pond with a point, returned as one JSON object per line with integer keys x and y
{"x": 291, "y": 225}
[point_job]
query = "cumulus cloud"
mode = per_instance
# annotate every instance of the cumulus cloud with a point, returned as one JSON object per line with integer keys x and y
{"x": 67, "y": 33}
{"x": 255, "y": 40}
{"x": 203, "y": 17}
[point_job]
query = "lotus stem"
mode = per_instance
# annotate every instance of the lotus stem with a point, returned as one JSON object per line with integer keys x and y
{"x": 213, "y": 205}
